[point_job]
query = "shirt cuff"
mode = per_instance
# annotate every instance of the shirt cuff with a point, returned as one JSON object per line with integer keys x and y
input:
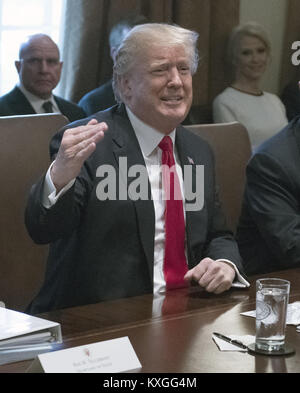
{"x": 239, "y": 281}
{"x": 49, "y": 197}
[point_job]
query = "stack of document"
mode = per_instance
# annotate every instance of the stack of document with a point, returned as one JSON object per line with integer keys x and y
{"x": 22, "y": 336}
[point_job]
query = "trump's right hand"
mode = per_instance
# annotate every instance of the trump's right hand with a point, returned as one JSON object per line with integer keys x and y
{"x": 76, "y": 146}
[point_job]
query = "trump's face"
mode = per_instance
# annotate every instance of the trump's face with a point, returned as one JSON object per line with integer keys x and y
{"x": 158, "y": 89}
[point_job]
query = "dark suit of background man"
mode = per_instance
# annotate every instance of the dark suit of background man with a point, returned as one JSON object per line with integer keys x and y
{"x": 291, "y": 99}
{"x": 107, "y": 248}
{"x": 39, "y": 70}
{"x": 103, "y": 97}
{"x": 269, "y": 229}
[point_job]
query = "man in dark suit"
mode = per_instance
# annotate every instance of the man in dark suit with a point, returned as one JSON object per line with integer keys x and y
{"x": 98, "y": 99}
{"x": 109, "y": 228}
{"x": 291, "y": 99}
{"x": 39, "y": 70}
{"x": 269, "y": 230}
{"x": 103, "y": 97}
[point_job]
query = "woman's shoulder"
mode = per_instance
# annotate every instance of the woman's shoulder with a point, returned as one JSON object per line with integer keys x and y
{"x": 271, "y": 96}
{"x": 226, "y": 94}
{"x": 228, "y": 97}
{"x": 274, "y": 99}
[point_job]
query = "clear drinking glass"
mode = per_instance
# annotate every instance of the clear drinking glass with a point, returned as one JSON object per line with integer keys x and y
{"x": 272, "y": 297}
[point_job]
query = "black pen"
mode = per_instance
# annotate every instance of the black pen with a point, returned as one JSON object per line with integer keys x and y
{"x": 231, "y": 341}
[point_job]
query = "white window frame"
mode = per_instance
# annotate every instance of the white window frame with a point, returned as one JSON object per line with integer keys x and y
{"x": 45, "y": 27}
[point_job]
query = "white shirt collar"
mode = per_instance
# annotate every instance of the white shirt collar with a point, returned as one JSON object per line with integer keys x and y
{"x": 148, "y": 137}
{"x": 36, "y": 101}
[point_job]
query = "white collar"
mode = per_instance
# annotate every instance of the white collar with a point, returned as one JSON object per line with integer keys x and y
{"x": 148, "y": 137}
{"x": 33, "y": 98}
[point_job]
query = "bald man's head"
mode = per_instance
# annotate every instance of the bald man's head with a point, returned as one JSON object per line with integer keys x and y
{"x": 39, "y": 67}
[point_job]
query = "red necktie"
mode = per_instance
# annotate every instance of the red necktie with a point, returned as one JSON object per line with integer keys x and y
{"x": 175, "y": 265}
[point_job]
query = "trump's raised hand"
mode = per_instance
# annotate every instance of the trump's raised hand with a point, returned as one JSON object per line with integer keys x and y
{"x": 76, "y": 146}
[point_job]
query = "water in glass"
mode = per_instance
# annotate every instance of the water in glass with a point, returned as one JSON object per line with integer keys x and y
{"x": 271, "y": 309}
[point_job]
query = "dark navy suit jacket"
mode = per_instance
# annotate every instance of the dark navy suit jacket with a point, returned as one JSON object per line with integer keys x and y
{"x": 102, "y": 250}
{"x": 99, "y": 99}
{"x": 291, "y": 99}
{"x": 269, "y": 230}
{"x": 15, "y": 103}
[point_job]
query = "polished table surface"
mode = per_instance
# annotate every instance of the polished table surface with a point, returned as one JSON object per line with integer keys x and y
{"x": 180, "y": 340}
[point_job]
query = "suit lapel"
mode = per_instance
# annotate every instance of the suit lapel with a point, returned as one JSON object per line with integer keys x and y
{"x": 20, "y": 103}
{"x": 189, "y": 159}
{"x": 125, "y": 145}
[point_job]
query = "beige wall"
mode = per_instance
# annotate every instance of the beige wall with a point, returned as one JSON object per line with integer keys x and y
{"x": 271, "y": 14}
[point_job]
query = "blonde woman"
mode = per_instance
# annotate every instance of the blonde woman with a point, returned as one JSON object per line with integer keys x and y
{"x": 262, "y": 113}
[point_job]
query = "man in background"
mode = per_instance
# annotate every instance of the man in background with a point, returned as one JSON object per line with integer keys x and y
{"x": 103, "y": 97}
{"x": 39, "y": 68}
{"x": 291, "y": 99}
{"x": 269, "y": 229}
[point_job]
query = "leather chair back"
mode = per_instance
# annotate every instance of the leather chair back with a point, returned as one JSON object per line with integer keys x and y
{"x": 24, "y": 157}
{"x": 232, "y": 149}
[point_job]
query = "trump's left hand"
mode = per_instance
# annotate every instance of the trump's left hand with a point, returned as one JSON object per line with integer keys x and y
{"x": 214, "y": 276}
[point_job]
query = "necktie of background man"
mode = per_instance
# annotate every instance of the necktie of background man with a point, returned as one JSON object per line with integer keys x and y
{"x": 48, "y": 107}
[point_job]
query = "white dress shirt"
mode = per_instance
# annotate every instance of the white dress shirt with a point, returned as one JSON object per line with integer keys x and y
{"x": 149, "y": 139}
{"x": 37, "y": 102}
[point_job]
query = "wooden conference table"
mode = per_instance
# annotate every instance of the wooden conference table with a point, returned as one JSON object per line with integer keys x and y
{"x": 180, "y": 341}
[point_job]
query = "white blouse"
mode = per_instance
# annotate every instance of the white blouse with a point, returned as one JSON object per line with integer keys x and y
{"x": 263, "y": 115}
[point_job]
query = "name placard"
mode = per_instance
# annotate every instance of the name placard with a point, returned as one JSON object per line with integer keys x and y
{"x": 111, "y": 356}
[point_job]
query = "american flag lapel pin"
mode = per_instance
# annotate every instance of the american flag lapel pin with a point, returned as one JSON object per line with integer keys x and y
{"x": 191, "y": 161}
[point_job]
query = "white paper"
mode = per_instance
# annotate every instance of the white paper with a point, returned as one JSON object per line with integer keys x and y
{"x": 112, "y": 356}
{"x": 28, "y": 340}
{"x": 20, "y": 328}
{"x": 293, "y": 314}
{"x": 225, "y": 346}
